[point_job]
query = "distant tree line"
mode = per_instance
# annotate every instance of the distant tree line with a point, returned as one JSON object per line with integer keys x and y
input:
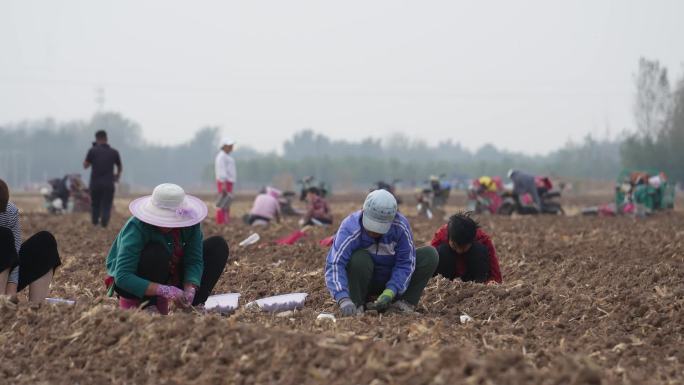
{"x": 33, "y": 151}
{"x": 362, "y": 163}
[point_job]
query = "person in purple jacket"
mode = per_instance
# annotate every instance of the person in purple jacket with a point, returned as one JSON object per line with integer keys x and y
{"x": 373, "y": 254}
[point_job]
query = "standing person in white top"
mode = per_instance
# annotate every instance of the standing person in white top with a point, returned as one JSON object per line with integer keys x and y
{"x": 226, "y": 176}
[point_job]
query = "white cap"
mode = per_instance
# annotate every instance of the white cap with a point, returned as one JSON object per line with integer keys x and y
{"x": 510, "y": 173}
{"x": 379, "y": 211}
{"x": 226, "y": 141}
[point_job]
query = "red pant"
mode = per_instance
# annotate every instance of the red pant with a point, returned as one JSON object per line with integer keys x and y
{"x": 223, "y": 215}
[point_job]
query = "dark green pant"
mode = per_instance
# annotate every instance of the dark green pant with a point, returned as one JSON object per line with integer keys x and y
{"x": 360, "y": 276}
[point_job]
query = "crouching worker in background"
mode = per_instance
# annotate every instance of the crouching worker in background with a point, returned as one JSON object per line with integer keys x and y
{"x": 266, "y": 208}
{"x": 466, "y": 251}
{"x": 30, "y": 264}
{"x": 160, "y": 257}
{"x": 374, "y": 254}
{"x": 317, "y": 210}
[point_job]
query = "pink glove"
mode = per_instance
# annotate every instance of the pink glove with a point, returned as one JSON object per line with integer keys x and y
{"x": 169, "y": 292}
{"x": 189, "y": 295}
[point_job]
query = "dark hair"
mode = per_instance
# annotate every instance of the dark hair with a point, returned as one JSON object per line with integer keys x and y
{"x": 314, "y": 190}
{"x": 4, "y": 196}
{"x": 462, "y": 229}
{"x": 101, "y": 134}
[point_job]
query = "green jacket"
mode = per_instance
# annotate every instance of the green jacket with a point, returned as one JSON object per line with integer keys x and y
{"x": 122, "y": 261}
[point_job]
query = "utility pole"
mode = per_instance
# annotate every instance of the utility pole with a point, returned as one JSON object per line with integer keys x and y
{"x": 100, "y": 98}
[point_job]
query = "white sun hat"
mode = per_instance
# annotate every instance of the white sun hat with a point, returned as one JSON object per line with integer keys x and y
{"x": 169, "y": 206}
{"x": 379, "y": 211}
{"x": 226, "y": 141}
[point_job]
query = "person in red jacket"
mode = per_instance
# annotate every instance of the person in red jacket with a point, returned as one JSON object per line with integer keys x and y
{"x": 466, "y": 251}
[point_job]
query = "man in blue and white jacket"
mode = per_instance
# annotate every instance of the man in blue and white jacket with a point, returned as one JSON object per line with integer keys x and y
{"x": 373, "y": 254}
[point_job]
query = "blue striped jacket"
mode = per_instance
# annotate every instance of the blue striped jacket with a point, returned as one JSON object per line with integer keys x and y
{"x": 394, "y": 255}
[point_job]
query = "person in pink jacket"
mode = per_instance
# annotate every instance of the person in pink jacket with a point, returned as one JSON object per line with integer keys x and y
{"x": 266, "y": 208}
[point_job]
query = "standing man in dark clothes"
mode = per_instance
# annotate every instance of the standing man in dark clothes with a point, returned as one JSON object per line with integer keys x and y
{"x": 102, "y": 177}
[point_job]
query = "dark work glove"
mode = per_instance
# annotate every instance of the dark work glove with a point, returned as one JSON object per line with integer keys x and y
{"x": 347, "y": 307}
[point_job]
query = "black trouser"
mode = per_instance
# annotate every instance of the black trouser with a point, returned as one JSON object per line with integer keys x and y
{"x": 154, "y": 267}
{"x": 101, "y": 198}
{"x": 476, "y": 258}
{"x": 324, "y": 221}
{"x": 37, "y": 256}
{"x": 251, "y": 218}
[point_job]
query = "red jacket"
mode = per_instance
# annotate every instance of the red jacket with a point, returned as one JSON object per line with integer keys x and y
{"x": 442, "y": 236}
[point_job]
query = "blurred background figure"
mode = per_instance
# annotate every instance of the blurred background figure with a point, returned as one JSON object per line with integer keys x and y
{"x": 317, "y": 210}
{"x": 226, "y": 176}
{"x": 317, "y": 213}
{"x": 525, "y": 184}
{"x": 483, "y": 195}
{"x": 102, "y": 158}
{"x": 266, "y": 208}
{"x": 66, "y": 195}
{"x": 433, "y": 196}
{"x": 391, "y": 187}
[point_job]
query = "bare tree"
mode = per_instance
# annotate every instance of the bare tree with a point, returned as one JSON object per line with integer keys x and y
{"x": 653, "y": 99}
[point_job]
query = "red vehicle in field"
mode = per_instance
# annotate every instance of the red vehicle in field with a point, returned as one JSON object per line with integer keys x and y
{"x": 484, "y": 195}
{"x": 524, "y": 205}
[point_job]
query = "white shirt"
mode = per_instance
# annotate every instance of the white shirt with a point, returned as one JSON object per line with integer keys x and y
{"x": 224, "y": 166}
{"x": 655, "y": 181}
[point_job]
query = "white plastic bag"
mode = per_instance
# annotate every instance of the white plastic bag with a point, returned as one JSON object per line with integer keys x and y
{"x": 59, "y": 301}
{"x": 252, "y": 239}
{"x": 223, "y": 303}
{"x": 280, "y": 303}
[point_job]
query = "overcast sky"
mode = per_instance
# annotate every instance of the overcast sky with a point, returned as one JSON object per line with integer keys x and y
{"x": 524, "y": 75}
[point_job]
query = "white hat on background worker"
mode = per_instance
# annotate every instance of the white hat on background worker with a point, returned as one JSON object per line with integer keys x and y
{"x": 226, "y": 141}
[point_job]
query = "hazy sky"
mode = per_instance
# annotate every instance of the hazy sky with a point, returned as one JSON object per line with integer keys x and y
{"x": 525, "y": 75}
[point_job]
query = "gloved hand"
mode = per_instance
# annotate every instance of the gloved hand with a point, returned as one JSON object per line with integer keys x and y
{"x": 169, "y": 292}
{"x": 188, "y": 296}
{"x": 347, "y": 307}
{"x": 384, "y": 300}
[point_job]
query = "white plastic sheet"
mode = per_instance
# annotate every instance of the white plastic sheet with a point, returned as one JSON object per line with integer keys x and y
{"x": 222, "y": 302}
{"x": 60, "y": 301}
{"x": 252, "y": 239}
{"x": 280, "y": 303}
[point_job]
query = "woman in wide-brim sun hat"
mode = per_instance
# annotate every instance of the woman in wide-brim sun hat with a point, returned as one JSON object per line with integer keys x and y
{"x": 160, "y": 255}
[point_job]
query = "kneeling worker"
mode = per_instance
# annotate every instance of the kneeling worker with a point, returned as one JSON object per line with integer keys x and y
{"x": 466, "y": 251}
{"x": 266, "y": 208}
{"x": 160, "y": 256}
{"x": 374, "y": 254}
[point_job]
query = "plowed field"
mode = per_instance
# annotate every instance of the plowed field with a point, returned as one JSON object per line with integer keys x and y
{"x": 584, "y": 301}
